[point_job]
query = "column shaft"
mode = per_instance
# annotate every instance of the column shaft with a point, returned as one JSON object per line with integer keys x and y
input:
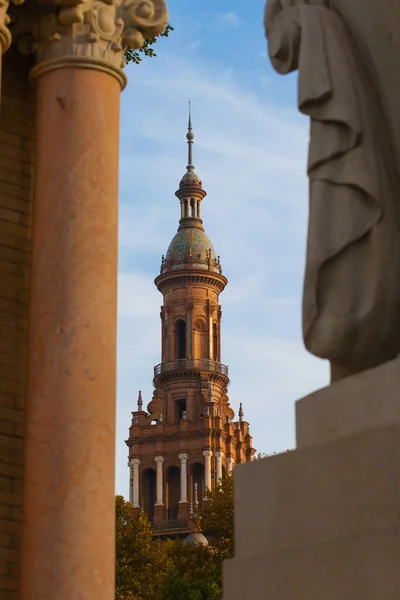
{"x": 169, "y": 341}
{"x": 71, "y": 384}
{"x": 135, "y": 495}
{"x": 210, "y": 338}
{"x": 131, "y": 483}
{"x": 183, "y": 459}
{"x": 159, "y": 492}
{"x": 190, "y": 334}
{"x": 218, "y": 456}
{"x": 229, "y": 465}
{"x": 207, "y": 469}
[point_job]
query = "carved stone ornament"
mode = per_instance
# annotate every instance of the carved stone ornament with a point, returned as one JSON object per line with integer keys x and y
{"x": 352, "y": 281}
{"x": 94, "y": 33}
{"x": 5, "y": 35}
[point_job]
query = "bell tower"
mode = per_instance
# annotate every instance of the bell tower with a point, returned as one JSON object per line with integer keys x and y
{"x": 187, "y": 438}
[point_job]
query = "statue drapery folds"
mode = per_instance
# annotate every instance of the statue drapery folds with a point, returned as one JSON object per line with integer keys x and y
{"x": 351, "y": 299}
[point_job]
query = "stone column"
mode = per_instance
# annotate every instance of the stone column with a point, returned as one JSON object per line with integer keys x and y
{"x": 159, "y": 492}
{"x": 168, "y": 310}
{"x": 70, "y": 410}
{"x": 135, "y": 483}
{"x": 210, "y": 338}
{"x": 207, "y": 470}
{"x": 183, "y": 458}
{"x": 189, "y": 309}
{"x": 219, "y": 455}
{"x": 130, "y": 465}
{"x": 229, "y": 465}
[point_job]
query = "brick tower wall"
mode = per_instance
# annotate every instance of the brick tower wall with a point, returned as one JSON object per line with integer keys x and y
{"x": 16, "y": 174}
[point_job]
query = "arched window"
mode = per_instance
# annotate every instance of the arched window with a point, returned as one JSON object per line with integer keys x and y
{"x": 173, "y": 494}
{"x": 215, "y": 341}
{"x": 180, "y": 339}
{"x": 149, "y": 492}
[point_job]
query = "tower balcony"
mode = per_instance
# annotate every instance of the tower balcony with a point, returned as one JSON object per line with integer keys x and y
{"x": 191, "y": 364}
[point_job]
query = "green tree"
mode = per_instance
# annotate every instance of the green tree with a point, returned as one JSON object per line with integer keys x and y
{"x": 142, "y": 564}
{"x": 195, "y": 574}
{"x": 217, "y": 521}
{"x": 136, "y": 56}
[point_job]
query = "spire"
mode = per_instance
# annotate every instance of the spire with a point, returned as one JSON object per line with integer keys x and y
{"x": 190, "y": 138}
{"x": 241, "y": 412}
{"x": 140, "y": 401}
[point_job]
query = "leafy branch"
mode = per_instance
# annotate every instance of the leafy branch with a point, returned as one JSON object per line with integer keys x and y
{"x": 136, "y": 56}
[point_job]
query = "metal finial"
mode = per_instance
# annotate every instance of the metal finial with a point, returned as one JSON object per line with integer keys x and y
{"x": 241, "y": 412}
{"x": 196, "y": 498}
{"x": 190, "y": 138}
{"x": 140, "y": 401}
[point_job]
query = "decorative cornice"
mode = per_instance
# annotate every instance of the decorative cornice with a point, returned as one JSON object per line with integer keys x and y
{"x": 93, "y": 34}
{"x": 184, "y": 278}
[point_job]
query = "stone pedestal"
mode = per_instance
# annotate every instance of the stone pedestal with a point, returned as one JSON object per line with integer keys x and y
{"x": 183, "y": 510}
{"x": 159, "y": 512}
{"x": 322, "y": 521}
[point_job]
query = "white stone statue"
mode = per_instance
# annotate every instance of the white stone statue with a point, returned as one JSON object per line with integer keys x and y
{"x": 351, "y": 301}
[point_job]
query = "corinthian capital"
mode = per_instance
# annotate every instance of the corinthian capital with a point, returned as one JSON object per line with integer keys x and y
{"x": 5, "y": 35}
{"x": 95, "y": 33}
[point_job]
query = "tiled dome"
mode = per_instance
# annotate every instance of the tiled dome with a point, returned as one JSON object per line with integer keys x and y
{"x": 192, "y": 241}
{"x": 195, "y": 539}
{"x": 190, "y": 178}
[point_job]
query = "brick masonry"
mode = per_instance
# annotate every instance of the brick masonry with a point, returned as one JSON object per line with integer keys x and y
{"x": 16, "y": 174}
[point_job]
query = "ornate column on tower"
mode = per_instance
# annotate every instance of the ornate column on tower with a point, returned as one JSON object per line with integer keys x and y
{"x": 183, "y": 458}
{"x": 219, "y": 456}
{"x": 207, "y": 471}
{"x": 71, "y": 386}
{"x": 135, "y": 482}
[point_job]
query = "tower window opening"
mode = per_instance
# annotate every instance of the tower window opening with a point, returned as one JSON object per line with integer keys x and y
{"x": 192, "y": 208}
{"x": 180, "y": 339}
{"x": 215, "y": 341}
{"x": 180, "y": 408}
{"x": 173, "y": 489}
{"x": 148, "y": 492}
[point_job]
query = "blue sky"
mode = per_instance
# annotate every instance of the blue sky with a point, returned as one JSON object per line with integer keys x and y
{"x": 250, "y": 151}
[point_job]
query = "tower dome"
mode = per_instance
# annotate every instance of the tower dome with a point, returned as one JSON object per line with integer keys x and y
{"x": 190, "y": 247}
{"x": 190, "y": 178}
{"x": 190, "y": 241}
{"x": 195, "y": 539}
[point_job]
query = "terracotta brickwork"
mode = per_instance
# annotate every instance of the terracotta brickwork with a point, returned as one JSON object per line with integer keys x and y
{"x": 16, "y": 159}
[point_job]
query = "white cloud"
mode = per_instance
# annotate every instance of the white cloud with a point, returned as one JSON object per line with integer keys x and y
{"x": 251, "y": 155}
{"x": 228, "y": 19}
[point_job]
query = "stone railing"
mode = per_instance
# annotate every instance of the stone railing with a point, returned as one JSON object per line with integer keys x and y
{"x": 174, "y": 524}
{"x": 191, "y": 364}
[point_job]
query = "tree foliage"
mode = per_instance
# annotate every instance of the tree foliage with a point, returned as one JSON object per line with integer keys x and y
{"x": 136, "y": 56}
{"x": 155, "y": 570}
{"x": 141, "y": 563}
{"x": 217, "y": 518}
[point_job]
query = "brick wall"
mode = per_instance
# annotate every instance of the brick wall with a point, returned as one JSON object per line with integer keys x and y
{"x": 16, "y": 157}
